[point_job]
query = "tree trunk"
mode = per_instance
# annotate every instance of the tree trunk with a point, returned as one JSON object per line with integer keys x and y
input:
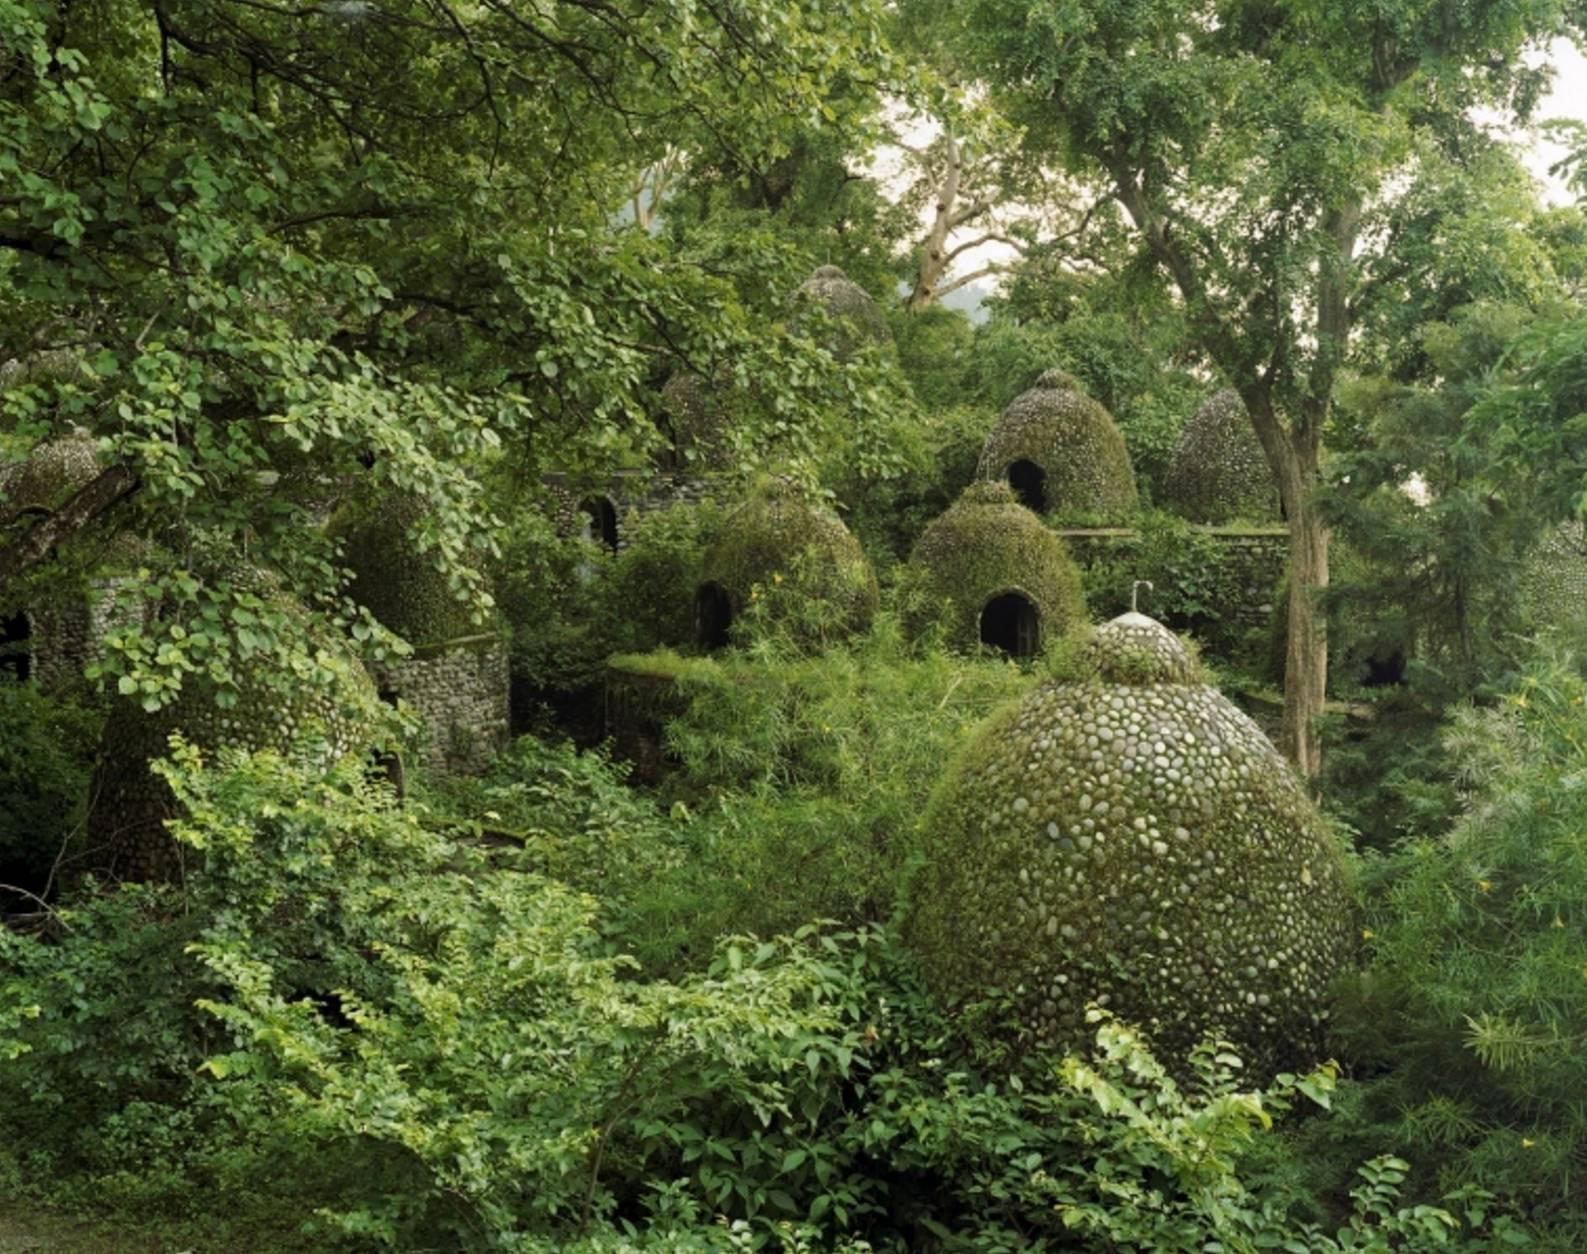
{"x": 1295, "y": 456}
{"x": 1306, "y": 653}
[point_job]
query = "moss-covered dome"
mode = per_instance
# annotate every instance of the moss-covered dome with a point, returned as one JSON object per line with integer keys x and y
{"x": 395, "y": 582}
{"x": 1554, "y": 583}
{"x": 986, "y": 547}
{"x": 1061, "y": 452}
{"x": 847, "y": 303}
{"x": 1218, "y": 472}
{"x": 698, "y": 421}
{"x": 800, "y": 556}
{"x": 1130, "y": 838}
{"x": 52, "y": 473}
{"x": 269, "y": 710}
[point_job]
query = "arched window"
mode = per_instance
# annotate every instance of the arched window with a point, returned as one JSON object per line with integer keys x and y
{"x": 599, "y": 522}
{"x": 16, "y": 645}
{"x": 713, "y": 615}
{"x": 1029, "y": 482}
{"x": 1009, "y": 622}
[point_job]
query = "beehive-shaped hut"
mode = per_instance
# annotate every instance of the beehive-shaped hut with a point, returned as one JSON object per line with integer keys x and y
{"x": 1218, "y": 472}
{"x": 1061, "y": 452}
{"x": 52, "y": 473}
{"x": 1131, "y": 839}
{"x": 1007, "y": 580}
{"x": 1554, "y": 582}
{"x": 781, "y": 546}
{"x": 457, "y": 678}
{"x": 52, "y": 639}
{"x": 860, "y": 319}
{"x": 267, "y": 711}
{"x": 697, "y": 421}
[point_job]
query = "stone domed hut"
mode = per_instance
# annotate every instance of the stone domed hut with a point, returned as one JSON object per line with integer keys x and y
{"x": 1132, "y": 839}
{"x": 54, "y": 471}
{"x": 1218, "y": 472}
{"x": 457, "y": 676}
{"x": 697, "y": 421}
{"x": 1008, "y": 581}
{"x": 52, "y": 641}
{"x": 1060, "y": 451}
{"x": 847, "y": 303}
{"x": 130, "y": 806}
{"x": 795, "y": 553}
{"x": 1554, "y": 583}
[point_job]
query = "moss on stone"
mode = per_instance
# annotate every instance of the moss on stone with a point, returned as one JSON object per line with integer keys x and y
{"x": 268, "y": 711}
{"x": 698, "y": 421}
{"x": 1132, "y": 839}
{"x": 860, "y": 319}
{"x": 1073, "y": 441}
{"x": 988, "y": 544}
{"x": 52, "y": 473}
{"x": 1554, "y": 583}
{"x": 793, "y": 553}
{"x": 400, "y": 586}
{"x": 1218, "y": 472}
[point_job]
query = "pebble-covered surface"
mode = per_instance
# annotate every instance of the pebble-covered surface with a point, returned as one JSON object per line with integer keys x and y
{"x": 985, "y": 545}
{"x": 780, "y": 540}
{"x": 1218, "y": 472}
{"x": 699, "y": 423}
{"x": 849, "y": 304}
{"x": 396, "y": 583}
{"x": 130, "y": 806}
{"x": 1554, "y": 584}
{"x": 1132, "y": 839}
{"x": 51, "y": 474}
{"x": 1057, "y": 427}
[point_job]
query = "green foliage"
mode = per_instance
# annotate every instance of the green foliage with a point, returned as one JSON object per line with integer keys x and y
{"x": 569, "y": 604}
{"x": 1473, "y": 938}
{"x": 800, "y": 777}
{"x": 1195, "y": 585}
{"x": 797, "y": 560}
{"x": 45, "y": 756}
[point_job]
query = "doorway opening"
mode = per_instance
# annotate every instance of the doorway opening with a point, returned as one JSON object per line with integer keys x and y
{"x": 1009, "y": 622}
{"x": 1029, "y": 482}
{"x": 713, "y": 615}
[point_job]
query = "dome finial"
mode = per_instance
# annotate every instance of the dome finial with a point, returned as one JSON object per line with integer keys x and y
{"x": 1135, "y": 594}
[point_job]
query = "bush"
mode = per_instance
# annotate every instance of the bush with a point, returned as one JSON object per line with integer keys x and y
{"x": 46, "y": 754}
{"x": 1474, "y": 1005}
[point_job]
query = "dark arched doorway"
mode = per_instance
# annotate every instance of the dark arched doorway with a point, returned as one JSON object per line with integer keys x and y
{"x": 1009, "y": 622}
{"x": 599, "y": 522}
{"x": 16, "y": 646}
{"x": 713, "y": 615}
{"x": 1029, "y": 482}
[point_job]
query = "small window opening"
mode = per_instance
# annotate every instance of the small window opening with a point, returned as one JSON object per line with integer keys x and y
{"x": 713, "y": 615}
{"x": 599, "y": 523}
{"x": 1029, "y": 482}
{"x": 1009, "y": 623}
{"x": 16, "y": 646}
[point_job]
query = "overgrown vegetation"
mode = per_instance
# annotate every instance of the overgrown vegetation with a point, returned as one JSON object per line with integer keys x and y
{"x": 333, "y": 327}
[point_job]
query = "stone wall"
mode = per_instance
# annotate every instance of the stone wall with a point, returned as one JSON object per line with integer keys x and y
{"x": 631, "y": 492}
{"x": 1253, "y": 560}
{"x": 459, "y": 690}
{"x": 65, "y": 639}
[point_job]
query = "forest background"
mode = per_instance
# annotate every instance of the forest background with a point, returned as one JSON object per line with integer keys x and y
{"x": 442, "y": 250}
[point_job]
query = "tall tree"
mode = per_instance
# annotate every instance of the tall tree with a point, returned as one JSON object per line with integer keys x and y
{"x": 1248, "y": 143}
{"x": 252, "y": 247}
